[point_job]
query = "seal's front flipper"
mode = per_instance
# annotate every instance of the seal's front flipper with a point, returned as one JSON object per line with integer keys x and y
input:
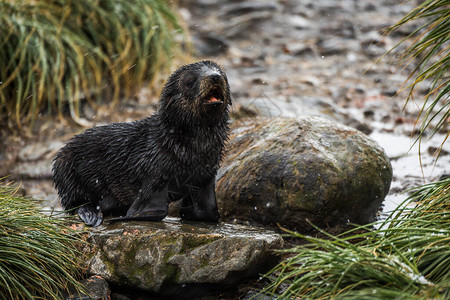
{"x": 90, "y": 215}
{"x": 200, "y": 204}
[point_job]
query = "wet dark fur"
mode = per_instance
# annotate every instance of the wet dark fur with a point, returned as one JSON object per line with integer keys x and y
{"x": 135, "y": 169}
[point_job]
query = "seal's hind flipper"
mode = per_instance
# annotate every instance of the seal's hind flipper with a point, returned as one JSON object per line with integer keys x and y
{"x": 148, "y": 206}
{"x": 90, "y": 215}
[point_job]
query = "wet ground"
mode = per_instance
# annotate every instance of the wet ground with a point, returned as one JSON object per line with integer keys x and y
{"x": 283, "y": 58}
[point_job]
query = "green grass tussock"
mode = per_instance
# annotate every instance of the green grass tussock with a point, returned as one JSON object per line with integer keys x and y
{"x": 53, "y": 53}
{"x": 38, "y": 254}
{"x": 408, "y": 256}
{"x": 430, "y": 52}
{"x": 420, "y": 229}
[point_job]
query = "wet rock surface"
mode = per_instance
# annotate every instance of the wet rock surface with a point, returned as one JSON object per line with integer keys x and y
{"x": 179, "y": 259}
{"x": 288, "y": 171}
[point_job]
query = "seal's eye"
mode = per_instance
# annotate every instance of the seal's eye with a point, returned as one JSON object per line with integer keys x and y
{"x": 189, "y": 83}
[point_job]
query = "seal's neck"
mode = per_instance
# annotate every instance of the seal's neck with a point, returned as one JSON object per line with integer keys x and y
{"x": 192, "y": 125}
{"x": 200, "y": 137}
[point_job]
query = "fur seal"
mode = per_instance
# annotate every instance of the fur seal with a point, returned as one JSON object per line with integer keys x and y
{"x": 133, "y": 170}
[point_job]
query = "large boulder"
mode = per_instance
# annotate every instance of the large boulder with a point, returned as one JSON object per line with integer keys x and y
{"x": 177, "y": 259}
{"x": 288, "y": 171}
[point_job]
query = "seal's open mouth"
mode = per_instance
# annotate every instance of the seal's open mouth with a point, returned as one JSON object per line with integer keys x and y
{"x": 213, "y": 100}
{"x": 214, "y": 97}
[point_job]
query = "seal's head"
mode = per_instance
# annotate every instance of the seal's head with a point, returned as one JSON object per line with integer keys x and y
{"x": 197, "y": 92}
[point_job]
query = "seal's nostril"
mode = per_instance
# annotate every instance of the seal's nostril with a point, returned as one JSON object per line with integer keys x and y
{"x": 215, "y": 78}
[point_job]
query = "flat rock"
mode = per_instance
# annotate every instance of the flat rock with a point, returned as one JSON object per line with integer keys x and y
{"x": 289, "y": 171}
{"x": 171, "y": 258}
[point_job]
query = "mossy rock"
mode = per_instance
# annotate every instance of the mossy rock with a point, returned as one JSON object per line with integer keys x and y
{"x": 176, "y": 259}
{"x": 288, "y": 171}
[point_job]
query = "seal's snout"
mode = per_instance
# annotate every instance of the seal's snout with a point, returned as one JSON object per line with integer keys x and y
{"x": 214, "y": 85}
{"x": 215, "y": 79}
